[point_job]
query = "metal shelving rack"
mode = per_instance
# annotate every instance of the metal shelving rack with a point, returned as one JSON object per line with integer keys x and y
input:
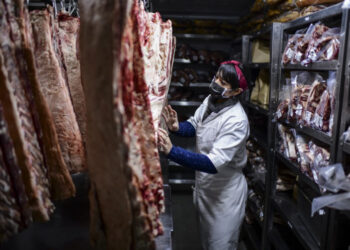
{"x": 258, "y": 137}
{"x": 278, "y": 202}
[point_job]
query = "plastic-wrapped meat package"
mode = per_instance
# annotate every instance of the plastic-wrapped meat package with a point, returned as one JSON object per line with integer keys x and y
{"x": 323, "y": 112}
{"x": 313, "y": 34}
{"x": 331, "y": 50}
{"x": 301, "y": 107}
{"x": 295, "y": 95}
{"x": 282, "y": 109}
{"x": 321, "y": 157}
{"x": 318, "y": 87}
{"x": 290, "y": 50}
{"x": 324, "y": 46}
{"x": 304, "y": 155}
{"x": 288, "y": 142}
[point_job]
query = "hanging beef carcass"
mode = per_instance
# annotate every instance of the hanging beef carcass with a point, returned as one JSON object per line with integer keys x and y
{"x": 20, "y": 114}
{"x": 61, "y": 184}
{"x": 68, "y": 29}
{"x": 128, "y": 161}
{"x": 54, "y": 88}
{"x": 15, "y": 212}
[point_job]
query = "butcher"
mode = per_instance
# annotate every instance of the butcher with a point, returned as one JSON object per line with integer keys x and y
{"x": 221, "y": 128}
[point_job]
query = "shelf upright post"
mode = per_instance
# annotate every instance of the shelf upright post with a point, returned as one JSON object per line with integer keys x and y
{"x": 270, "y": 179}
{"x": 342, "y": 116}
{"x": 245, "y": 61}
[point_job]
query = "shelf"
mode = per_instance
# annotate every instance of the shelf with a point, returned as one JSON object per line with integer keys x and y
{"x": 251, "y": 206}
{"x": 258, "y": 138}
{"x": 252, "y": 236}
{"x": 185, "y": 103}
{"x": 256, "y": 107}
{"x": 182, "y": 60}
{"x": 315, "y": 134}
{"x": 317, "y": 16}
{"x": 192, "y": 84}
{"x": 289, "y": 212}
{"x": 346, "y": 147}
{"x": 277, "y": 240}
{"x": 203, "y": 36}
{"x": 326, "y": 65}
{"x": 296, "y": 170}
{"x": 258, "y": 65}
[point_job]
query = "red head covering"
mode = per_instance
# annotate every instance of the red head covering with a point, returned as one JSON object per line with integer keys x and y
{"x": 241, "y": 78}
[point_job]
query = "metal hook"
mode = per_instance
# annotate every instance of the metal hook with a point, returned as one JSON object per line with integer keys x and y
{"x": 74, "y": 7}
{"x": 54, "y": 5}
{"x": 62, "y": 6}
{"x": 77, "y": 6}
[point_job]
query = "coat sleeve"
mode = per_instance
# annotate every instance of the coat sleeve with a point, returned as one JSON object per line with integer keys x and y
{"x": 228, "y": 143}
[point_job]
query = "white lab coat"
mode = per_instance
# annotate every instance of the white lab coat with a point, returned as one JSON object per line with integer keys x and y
{"x": 220, "y": 198}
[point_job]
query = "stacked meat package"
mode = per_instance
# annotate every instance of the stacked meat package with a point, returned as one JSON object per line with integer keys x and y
{"x": 305, "y": 152}
{"x": 40, "y": 138}
{"x": 126, "y": 58}
{"x": 317, "y": 43}
{"x": 308, "y": 100}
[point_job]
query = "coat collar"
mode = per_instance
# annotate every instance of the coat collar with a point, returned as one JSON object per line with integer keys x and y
{"x": 213, "y": 110}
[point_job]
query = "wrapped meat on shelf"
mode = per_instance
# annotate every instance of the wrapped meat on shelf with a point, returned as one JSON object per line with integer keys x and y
{"x": 192, "y": 74}
{"x": 288, "y": 142}
{"x": 216, "y": 57}
{"x": 301, "y": 107}
{"x": 183, "y": 51}
{"x": 318, "y": 87}
{"x": 204, "y": 56}
{"x": 291, "y": 47}
{"x": 183, "y": 78}
{"x": 322, "y": 113}
{"x": 304, "y": 155}
{"x": 282, "y": 110}
{"x": 293, "y": 109}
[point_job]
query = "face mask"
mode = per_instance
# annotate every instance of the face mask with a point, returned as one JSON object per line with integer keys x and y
{"x": 217, "y": 91}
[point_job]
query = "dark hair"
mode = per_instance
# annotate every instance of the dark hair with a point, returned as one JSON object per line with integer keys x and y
{"x": 227, "y": 72}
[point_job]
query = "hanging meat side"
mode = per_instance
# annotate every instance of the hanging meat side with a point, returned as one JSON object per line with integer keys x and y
{"x": 22, "y": 130}
{"x": 61, "y": 184}
{"x": 15, "y": 213}
{"x": 111, "y": 202}
{"x": 140, "y": 192}
{"x": 157, "y": 45}
{"x": 68, "y": 29}
{"x": 128, "y": 160}
{"x": 54, "y": 88}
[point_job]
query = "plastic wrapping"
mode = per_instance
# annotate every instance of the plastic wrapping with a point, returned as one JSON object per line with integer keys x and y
{"x": 346, "y": 4}
{"x": 333, "y": 178}
{"x": 284, "y": 97}
{"x": 290, "y": 50}
{"x": 324, "y": 45}
{"x": 314, "y": 98}
{"x": 321, "y": 157}
{"x": 304, "y": 155}
{"x": 288, "y": 142}
{"x": 296, "y": 90}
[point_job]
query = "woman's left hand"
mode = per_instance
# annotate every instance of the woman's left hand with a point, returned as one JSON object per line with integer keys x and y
{"x": 164, "y": 141}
